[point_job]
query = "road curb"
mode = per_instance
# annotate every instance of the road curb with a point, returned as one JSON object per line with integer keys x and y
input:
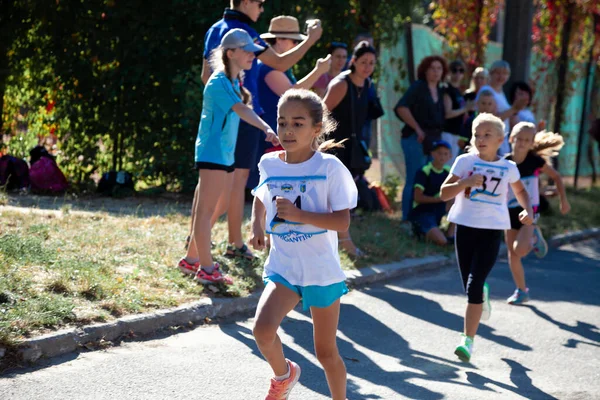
{"x": 70, "y": 340}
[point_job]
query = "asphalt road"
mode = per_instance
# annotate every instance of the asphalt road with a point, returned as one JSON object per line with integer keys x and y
{"x": 397, "y": 340}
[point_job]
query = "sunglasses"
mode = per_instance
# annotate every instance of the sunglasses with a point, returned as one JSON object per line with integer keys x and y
{"x": 261, "y": 4}
{"x": 458, "y": 70}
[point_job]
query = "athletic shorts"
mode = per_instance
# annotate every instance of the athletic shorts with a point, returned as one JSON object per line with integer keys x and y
{"x": 515, "y": 223}
{"x": 313, "y": 295}
{"x": 215, "y": 167}
{"x": 423, "y": 222}
{"x": 248, "y": 142}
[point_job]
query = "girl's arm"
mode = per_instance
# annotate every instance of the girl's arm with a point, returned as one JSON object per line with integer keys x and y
{"x": 287, "y": 60}
{"x": 423, "y": 199}
{"x": 248, "y": 115}
{"x": 334, "y": 221}
{"x": 523, "y": 199}
{"x": 279, "y": 83}
{"x": 257, "y": 240}
{"x": 453, "y": 185}
{"x": 565, "y": 207}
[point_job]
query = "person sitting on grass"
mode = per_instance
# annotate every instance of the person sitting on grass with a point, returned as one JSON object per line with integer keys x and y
{"x": 428, "y": 207}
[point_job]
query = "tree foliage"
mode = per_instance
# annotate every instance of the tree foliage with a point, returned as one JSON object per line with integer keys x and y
{"x": 117, "y": 83}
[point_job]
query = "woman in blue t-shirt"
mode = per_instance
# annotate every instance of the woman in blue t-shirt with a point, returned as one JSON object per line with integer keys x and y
{"x": 224, "y": 103}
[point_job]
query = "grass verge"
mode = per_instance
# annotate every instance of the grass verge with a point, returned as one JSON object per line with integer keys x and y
{"x": 66, "y": 268}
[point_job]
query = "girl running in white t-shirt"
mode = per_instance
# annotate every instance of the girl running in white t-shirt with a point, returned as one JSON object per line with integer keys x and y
{"x": 479, "y": 182}
{"x": 302, "y": 201}
{"x": 528, "y": 151}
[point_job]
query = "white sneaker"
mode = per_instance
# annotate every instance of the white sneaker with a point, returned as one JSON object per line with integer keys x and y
{"x": 486, "y": 313}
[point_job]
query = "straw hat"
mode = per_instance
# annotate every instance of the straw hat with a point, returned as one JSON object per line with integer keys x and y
{"x": 284, "y": 27}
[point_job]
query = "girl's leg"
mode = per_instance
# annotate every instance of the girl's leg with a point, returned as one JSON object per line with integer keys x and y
{"x": 487, "y": 247}
{"x": 325, "y": 323}
{"x": 210, "y": 186}
{"x": 518, "y": 244}
{"x": 275, "y": 303}
{"x": 192, "y": 254}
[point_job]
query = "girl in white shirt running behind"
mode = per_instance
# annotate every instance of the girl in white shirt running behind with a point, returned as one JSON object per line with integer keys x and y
{"x": 302, "y": 201}
{"x": 479, "y": 183}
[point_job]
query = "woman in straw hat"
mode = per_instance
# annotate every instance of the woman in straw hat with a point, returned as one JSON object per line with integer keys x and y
{"x": 284, "y": 34}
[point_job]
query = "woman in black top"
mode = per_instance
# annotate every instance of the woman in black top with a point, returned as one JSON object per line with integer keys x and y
{"x": 422, "y": 110}
{"x": 456, "y": 106}
{"x": 347, "y": 98}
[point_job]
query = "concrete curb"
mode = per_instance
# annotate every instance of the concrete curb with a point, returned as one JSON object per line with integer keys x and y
{"x": 70, "y": 340}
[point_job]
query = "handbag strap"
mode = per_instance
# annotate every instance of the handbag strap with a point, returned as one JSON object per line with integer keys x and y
{"x": 353, "y": 117}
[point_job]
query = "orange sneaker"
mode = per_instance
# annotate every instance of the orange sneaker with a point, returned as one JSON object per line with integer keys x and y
{"x": 280, "y": 390}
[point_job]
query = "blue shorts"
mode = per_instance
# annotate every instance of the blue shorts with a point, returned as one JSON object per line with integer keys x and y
{"x": 246, "y": 148}
{"x": 313, "y": 295}
{"x": 423, "y": 222}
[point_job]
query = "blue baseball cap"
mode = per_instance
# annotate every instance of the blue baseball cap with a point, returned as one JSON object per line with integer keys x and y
{"x": 240, "y": 39}
{"x": 441, "y": 143}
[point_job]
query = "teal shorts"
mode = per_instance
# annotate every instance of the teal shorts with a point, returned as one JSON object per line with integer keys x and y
{"x": 313, "y": 295}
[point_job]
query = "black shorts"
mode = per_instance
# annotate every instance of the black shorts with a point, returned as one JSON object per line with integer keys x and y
{"x": 249, "y": 139}
{"x": 515, "y": 223}
{"x": 215, "y": 167}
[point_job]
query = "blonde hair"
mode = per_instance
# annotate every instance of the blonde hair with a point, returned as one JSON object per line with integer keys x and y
{"x": 478, "y": 71}
{"x": 219, "y": 61}
{"x": 485, "y": 118}
{"x": 547, "y": 144}
{"x": 318, "y": 113}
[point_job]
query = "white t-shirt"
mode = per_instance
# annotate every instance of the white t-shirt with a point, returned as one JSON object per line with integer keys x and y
{"x": 501, "y": 106}
{"x": 486, "y": 206}
{"x": 304, "y": 254}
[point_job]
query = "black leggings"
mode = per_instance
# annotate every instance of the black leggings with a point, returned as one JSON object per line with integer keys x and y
{"x": 476, "y": 253}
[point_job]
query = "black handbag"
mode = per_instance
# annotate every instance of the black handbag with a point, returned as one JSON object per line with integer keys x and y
{"x": 360, "y": 159}
{"x": 375, "y": 109}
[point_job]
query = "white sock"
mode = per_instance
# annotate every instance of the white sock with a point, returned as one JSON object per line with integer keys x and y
{"x": 285, "y": 376}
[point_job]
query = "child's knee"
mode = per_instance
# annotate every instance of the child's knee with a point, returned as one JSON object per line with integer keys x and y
{"x": 520, "y": 249}
{"x": 326, "y": 355}
{"x": 264, "y": 332}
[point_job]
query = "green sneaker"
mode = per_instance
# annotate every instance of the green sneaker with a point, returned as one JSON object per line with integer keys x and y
{"x": 486, "y": 312}
{"x": 465, "y": 348}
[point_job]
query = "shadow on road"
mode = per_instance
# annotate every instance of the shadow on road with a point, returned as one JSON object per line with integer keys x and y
{"x": 587, "y": 331}
{"x": 428, "y": 310}
{"x": 518, "y": 376}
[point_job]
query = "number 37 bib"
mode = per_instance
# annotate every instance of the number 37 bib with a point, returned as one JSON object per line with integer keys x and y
{"x": 491, "y": 189}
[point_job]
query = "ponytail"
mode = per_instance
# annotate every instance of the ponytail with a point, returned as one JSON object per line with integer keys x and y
{"x": 547, "y": 144}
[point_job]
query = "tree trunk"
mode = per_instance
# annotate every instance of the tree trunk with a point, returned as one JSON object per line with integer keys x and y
{"x": 517, "y": 39}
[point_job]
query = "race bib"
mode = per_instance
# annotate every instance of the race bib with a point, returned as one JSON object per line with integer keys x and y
{"x": 491, "y": 189}
{"x": 532, "y": 185}
{"x": 304, "y": 194}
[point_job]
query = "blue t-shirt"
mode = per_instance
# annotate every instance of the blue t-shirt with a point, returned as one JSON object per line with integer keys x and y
{"x": 218, "y": 130}
{"x": 233, "y": 19}
{"x": 430, "y": 181}
{"x": 268, "y": 98}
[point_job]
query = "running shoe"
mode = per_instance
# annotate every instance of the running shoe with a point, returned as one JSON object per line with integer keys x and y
{"x": 215, "y": 277}
{"x": 486, "y": 311}
{"x": 465, "y": 348}
{"x": 540, "y": 247}
{"x": 242, "y": 252}
{"x": 519, "y": 297}
{"x": 188, "y": 268}
{"x": 280, "y": 390}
